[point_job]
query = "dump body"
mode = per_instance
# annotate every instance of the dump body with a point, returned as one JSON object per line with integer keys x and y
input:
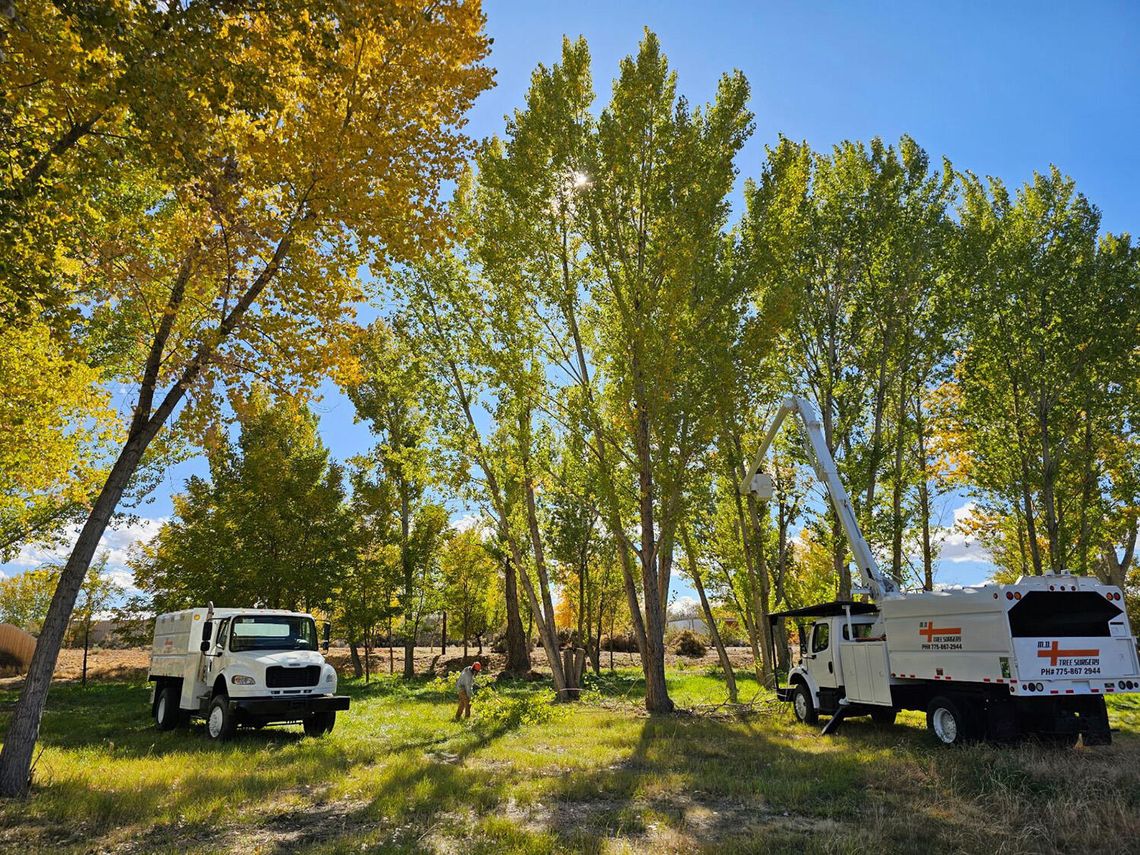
{"x": 1068, "y": 633}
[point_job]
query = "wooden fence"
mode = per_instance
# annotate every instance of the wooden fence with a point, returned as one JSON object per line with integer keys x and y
{"x": 16, "y": 649}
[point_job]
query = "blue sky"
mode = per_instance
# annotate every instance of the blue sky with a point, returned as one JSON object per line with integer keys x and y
{"x": 1001, "y": 89}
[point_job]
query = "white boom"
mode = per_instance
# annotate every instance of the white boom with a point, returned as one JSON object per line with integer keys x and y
{"x": 878, "y": 584}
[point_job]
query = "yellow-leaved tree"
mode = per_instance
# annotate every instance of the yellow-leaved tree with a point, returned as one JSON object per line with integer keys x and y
{"x": 298, "y": 142}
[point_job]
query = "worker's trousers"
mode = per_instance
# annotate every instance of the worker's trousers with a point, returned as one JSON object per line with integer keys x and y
{"x": 464, "y": 710}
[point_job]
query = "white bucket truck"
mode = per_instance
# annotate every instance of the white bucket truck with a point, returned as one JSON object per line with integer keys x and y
{"x": 249, "y": 667}
{"x": 988, "y": 662}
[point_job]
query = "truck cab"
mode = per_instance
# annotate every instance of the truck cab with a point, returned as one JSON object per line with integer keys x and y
{"x": 242, "y": 667}
{"x": 833, "y": 650}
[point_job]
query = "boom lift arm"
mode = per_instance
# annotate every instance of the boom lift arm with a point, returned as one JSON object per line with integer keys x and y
{"x": 757, "y": 483}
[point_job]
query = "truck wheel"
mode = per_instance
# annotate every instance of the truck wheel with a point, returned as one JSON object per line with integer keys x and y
{"x": 803, "y": 705}
{"x": 883, "y": 715}
{"x": 166, "y": 711}
{"x": 945, "y": 719}
{"x": 318, "y": 724}
{"x": 220, "y": 724}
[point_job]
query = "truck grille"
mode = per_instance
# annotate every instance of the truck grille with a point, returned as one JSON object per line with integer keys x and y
{"x": 278, "y": 677}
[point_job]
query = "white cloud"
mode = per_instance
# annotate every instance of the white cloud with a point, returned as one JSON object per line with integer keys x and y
{"x": 115, "y": 542}
{"x": 956, "y": 546}
{"x": 466, "y": 522}
{"x": 683, "y": 607}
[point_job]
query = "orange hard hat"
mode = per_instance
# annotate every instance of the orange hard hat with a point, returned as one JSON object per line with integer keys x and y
{"x": 478, "y": 666}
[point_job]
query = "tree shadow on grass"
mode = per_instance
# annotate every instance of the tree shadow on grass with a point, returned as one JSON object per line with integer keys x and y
{"x": 180, "y": 790}
{"x": 698, "y": 782}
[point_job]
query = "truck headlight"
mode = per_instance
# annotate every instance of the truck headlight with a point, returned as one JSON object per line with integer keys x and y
{"x": 242, "y": 680}
{"x": 330, "y": 676}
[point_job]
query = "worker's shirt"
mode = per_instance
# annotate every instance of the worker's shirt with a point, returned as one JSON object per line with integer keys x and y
{"x": 466, "y": 681}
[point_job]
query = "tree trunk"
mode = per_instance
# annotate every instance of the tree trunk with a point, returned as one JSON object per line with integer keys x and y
{"x": 86, "y": 646}
{"x": 409, "y": 592}
{"x": 839, "y": 555}
{"x": 24, "y": 727}
{"x": 656, "y": 689}
{"x": 518, "y": 647}
{"x": 354, "y": 656}
{"x": 1116, "y": 567}
{"x": 924, "y": 499}
{"x": 443, "y": 638}
{"x": 1048, "y": 498}
{"x": 598, "y": 639}
{"x": 582, "y": 603}
{"x": 1026, "y": 497}
{"x": 546, "y": 628}
{"x": 612, "y": 618}
{"x": 897, "y": 487}
{"x": 761, "y": 592}
{"x": 1086, "y": 492}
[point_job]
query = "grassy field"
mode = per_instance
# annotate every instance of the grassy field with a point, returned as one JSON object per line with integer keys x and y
{"x": 525, "y": 775}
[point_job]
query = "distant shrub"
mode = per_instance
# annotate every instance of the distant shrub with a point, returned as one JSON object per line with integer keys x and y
{"x": 622, "y": 642}
{"x": 688, "y": 643}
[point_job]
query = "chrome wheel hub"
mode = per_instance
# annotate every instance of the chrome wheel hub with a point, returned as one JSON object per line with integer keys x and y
{"x": 945, "y": 725}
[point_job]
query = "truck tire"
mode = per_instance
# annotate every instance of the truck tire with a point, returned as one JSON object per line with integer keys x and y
{"x": 947, "y": 720}
{"x": 803, "y": 705}
{"x": 166, "y": 712}
{"x": 318, "y": 724}
{"x": 220, "y": 723}
{"x": 883, "y": 715}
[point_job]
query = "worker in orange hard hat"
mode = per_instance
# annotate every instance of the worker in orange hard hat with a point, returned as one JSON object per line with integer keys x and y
{"x": 466, "y": 686}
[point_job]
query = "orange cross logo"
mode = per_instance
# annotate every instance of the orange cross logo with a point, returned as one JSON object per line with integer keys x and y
{"x": 930, "y": 631}
{"x": 1053, "y": 654}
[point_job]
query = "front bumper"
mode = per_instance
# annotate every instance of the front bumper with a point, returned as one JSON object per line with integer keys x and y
{"x": 287, "y": 709}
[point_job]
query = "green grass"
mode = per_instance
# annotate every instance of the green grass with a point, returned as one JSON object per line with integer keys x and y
{"x": 525, "y": 775}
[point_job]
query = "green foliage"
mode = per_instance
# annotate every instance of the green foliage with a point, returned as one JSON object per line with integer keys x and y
{"x": 24, "y": 599}
{"x": 55, "y": 434}
{"x": 270, "y": 525}
{"x": 97, "y": 595}
{"x": 471, "y": 594}
{"x": 503, "y": 712}
{"x": 1040, "y": 409}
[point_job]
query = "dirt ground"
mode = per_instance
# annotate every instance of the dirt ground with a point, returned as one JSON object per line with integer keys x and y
{"x": 131, "y": 663}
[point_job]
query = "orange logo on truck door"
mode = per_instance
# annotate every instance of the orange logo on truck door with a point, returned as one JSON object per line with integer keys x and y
{"x": 1054, "y": 652}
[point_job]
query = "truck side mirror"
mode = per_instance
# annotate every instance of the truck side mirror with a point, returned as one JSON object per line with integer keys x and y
{"x": 207, "y": 631}
{"x": 328, "y": 635}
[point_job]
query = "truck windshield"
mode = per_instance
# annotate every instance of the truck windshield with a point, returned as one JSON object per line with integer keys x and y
{"x": 271, "y": 632}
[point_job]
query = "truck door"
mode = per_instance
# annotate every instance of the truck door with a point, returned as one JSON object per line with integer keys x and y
{"x": 211, "y": 660}
{"x": 820, "y": 658}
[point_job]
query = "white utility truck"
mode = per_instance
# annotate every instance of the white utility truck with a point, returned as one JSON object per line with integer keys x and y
{"x": 248, "y": 667}
{"x": 989, "y": 662}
